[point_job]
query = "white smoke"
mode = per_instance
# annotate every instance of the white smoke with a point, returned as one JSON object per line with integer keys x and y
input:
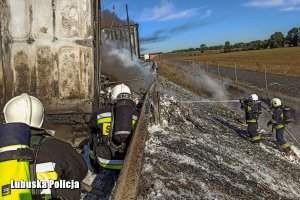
{"x": 117, "y": 63}
{"x": 204, "y": 81}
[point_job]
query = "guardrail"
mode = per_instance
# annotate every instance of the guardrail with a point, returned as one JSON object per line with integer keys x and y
{"x": 128, "y": 182}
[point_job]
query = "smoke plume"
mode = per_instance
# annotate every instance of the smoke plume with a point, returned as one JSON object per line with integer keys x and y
{"x": 117, "y": 63}
{"x": 166, "y": 33}
{"x": 203, "y": 80}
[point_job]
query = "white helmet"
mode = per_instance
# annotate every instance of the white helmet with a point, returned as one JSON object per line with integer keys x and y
{"x": 26, "y": 109}
{"x": 253, "y": 97}
{"x": 276, "y": 102}
{"x": 119, "y": 89}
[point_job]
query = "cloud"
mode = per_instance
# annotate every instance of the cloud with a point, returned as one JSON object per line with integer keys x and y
{"x": 165, "y": 12}
{"x": 207, "y": 14}
{"x": 157, "y": 12}
{"x": 287, "y": 9}
{"x": 157, "y": 36}
{"x": 265, "y": 3}
{"x": 181, "y": 14}
{"x": 164, "y": 34}
{"x": 283, "y": 5}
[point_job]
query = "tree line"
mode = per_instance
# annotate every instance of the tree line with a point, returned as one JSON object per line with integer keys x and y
{"x": 277, "y": 39}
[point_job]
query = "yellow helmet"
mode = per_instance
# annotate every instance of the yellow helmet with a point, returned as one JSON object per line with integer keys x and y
{"x": 26, "y": 109}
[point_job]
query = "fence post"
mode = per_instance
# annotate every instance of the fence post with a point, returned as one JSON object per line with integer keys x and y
{"x": 235, "y": 73}
{"x": 206, "y": 66}
{"x": 266, "y": 79}
{"x": 219, "y": 71}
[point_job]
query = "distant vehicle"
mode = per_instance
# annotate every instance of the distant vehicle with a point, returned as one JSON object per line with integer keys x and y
{"x": 146, "y": 57}
{"x": 150, "y": 57}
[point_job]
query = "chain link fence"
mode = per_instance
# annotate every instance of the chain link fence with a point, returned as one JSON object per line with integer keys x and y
{"x": 271, "y": 83}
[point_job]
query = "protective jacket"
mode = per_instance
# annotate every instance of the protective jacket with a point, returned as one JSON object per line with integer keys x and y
{"x": 112, "y": 129}
{"x": 28, "y": 154}
{"x": 252, "y": 110}
{"x": 277, "y": 118}
{"x": 277, "y": 121}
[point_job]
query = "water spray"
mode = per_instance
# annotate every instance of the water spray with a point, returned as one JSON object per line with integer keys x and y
{"x": 130, "y": 80}
{"x": 225, "y": 101}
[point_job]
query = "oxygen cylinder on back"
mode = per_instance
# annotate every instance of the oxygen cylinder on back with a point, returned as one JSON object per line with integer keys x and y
{"x": 123, "y": 121}
{"x": 14, "y": 162}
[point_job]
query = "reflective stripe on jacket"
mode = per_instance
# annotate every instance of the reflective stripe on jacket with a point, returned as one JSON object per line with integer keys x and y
{"x": 277, "y": 118}
{"x": 252, "y": 111}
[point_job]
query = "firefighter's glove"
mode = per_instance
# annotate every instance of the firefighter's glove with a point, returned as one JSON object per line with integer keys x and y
{"x": 269, "y": 123}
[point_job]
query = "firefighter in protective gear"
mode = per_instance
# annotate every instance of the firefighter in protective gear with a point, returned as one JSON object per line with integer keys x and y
{"x": 111, "y": 130}
{"x": 252, "y": 108}
{"x": 277, "y": 121}
{"x": 29, "y": 153}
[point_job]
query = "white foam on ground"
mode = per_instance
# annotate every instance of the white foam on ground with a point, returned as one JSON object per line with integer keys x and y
{"x": 221, "y": 147}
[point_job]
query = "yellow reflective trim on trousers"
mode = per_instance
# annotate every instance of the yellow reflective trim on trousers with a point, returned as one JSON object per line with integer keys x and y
{"x": 252, "y": 120}
{"x": 279, "y": 126}
{"x": 255, "y": 138}
{"x": 104, "y": 120}
{"x": 273, "y": 121}
{"x": 284, "y": 146}
{"x": 106, "y": 166}
{"x": 47, "y": 175}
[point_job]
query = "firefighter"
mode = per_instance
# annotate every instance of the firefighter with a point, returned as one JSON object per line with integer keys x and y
{"x": 111, "y": 130}
{"x": 252, "y": 108}
{"x": 29, "y": 153}
{"x": 278, "y": 123}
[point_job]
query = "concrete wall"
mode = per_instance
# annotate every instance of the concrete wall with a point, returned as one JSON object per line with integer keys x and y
{"x": 47, "y": 51}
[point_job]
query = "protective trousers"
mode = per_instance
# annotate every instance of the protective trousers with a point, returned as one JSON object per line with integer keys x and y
{"x": 279, "y": 136}
{"x": 253, "y": 133}
{"x": 281, "y": 141}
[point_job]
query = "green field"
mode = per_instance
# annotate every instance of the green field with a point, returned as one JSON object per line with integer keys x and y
{"x": 278, "y": 61}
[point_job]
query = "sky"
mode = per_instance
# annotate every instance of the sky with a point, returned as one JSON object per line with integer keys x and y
{"x": 167, "y": 25}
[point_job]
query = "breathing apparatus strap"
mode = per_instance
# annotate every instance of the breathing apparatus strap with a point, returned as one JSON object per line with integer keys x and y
{"x": 111, "y": 126}
{"x": 21, "y": 154}
{"x": 35, "y": 192}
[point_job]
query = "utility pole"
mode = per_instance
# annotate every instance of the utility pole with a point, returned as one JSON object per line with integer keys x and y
{"x": 206, "y": 66}
{"x": 100, "y": 48}
{"x": 96, "y": 18}
{"x": 129, "y": 34}
{"x": 266, "y": 79}
{"x": 219, "y": 71}
{"x": 235, "y": 72}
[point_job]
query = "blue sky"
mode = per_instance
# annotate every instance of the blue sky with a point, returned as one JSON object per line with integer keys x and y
{"x": 166, "y": 25}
